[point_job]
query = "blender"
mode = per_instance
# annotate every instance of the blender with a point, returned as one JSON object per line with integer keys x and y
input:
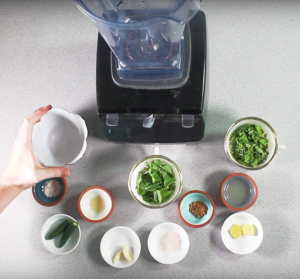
{"x": 150, "y": 70}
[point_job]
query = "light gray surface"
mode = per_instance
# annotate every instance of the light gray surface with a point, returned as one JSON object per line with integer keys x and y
{"x": 47, "y": 56}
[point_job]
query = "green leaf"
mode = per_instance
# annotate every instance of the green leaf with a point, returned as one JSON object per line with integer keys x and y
{"x": 158, "y": 195}
{"x": 167, "y": 168}
{"x": 147, "y": 198}
{"x": 147, "y": 179}
{"x": 141, "y": 191}
{"x": 142, "y": 185}
{"x": 152, "y": 187}
{"x": 143, "y": 170}
{"x": 157, "y": 162}
{"x": 155, "y": 177}
{"x": 169, "y": 180}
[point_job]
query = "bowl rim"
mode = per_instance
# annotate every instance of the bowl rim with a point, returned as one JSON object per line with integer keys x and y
{"x": 169, "y": 201}
{"x": 226, "y": 145}
{"x": 222, "y": 191}
{"x": 213, "y": 206}
{"x": 58, "y": 201}
{"x": 79, "y": 233}
{"x": 88, "y": 189}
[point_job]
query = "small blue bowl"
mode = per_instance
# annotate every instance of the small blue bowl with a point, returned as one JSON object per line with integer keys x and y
{"x": 41, "y": 198}
{"x": 187, "y": 217}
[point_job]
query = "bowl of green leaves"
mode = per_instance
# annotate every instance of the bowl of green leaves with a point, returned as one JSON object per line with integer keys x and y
{"x": 155, "y": 181}
{"x": 251, "y": 143}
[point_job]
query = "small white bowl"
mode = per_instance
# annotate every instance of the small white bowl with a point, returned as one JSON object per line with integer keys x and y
{"x": 245, "y": 244}
{"x": 52, "y": 245}
{"x": 134, "y": 174}
{"x": 168, "y": 243}
{"x": 114, "y": 240}
{"x": 59, "y": 138}
{"x": 85, "y": 207}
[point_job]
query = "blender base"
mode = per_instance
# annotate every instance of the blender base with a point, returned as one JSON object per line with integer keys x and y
{"x": 158, "y": 115}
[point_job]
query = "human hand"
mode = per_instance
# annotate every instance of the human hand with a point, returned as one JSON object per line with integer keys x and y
{"x": 23, "y": 169}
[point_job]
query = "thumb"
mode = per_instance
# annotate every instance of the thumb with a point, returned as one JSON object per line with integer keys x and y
{"x": 53, "y": 172}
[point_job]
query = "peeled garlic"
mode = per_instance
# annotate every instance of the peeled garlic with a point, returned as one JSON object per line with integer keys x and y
{"x": 117, "y": 256}
{"x": 123, "y": 251}
{"x": 126, "y": 254}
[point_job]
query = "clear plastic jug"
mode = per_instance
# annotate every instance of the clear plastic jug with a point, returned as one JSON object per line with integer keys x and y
{"x": 146, "y": 36}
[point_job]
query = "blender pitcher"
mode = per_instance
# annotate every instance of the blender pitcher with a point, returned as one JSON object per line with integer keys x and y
{"x": 146, "y": 36}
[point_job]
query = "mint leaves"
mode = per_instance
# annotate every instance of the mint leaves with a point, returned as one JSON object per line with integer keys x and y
{"x": 249, "y": 145}
{"x": 156, "y": 182}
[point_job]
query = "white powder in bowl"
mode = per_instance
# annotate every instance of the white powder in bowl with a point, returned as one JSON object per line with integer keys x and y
{"x": 170, "y": 241}
{"x": 52, "y": 188}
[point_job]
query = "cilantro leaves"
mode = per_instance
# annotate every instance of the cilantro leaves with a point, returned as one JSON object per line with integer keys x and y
{"x": 156, "y": 182}
{"x": 249, "y": 145}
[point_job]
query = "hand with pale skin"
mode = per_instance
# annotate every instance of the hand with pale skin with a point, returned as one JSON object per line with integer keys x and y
{"x": 23, "y": 169}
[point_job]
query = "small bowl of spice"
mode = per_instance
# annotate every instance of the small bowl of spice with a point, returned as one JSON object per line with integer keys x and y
{"x": 50, "y": 192}
{"x": 251, "y": 143}
{"x": 95, "y": 204}
{"x": 196, "y": 208}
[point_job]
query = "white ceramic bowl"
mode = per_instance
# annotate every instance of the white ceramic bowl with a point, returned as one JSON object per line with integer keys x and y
{"x": 52, "y": 245}
{"x": 59, "y": 138}
{"x": 244, "y": 244}
{"x": 133, "y": 177}
{"x": 168, "y": 243}
{"x": 114, "y": 240}
{"x": 85, "y": 207}
{"x": 271, "y": 136}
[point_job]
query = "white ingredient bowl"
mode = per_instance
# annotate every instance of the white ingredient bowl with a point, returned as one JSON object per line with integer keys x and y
{"x": 114, "y": 240}
{"x": 159, "y": 252}
{"x": 59, "y": 138}
{"x": 52, "y": 245}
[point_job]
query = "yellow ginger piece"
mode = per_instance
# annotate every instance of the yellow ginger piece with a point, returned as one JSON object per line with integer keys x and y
{"x": 236, "y": 231}
{"x": 248, "y": 229}
{"x": 254, "y": 230}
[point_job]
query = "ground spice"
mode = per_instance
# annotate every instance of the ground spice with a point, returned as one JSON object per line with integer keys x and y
{"x": 198, "y": 209}
{"x": 52, "y": 188}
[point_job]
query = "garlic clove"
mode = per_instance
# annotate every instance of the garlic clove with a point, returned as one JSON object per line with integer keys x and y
{"x": 126, "y": 254}
{"x": 117, "y": 256}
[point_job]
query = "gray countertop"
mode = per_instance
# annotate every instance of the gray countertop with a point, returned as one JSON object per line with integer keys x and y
{"x": 47, "y": 56}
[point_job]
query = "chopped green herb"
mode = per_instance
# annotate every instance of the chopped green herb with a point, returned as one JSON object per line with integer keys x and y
{"x": 249, "y": 145}
{"x": 156, "y": 182}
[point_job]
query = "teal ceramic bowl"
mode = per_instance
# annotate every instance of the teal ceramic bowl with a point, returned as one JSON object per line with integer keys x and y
{"x": 41, "y": 198}
{"x": 187, "y": 217}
